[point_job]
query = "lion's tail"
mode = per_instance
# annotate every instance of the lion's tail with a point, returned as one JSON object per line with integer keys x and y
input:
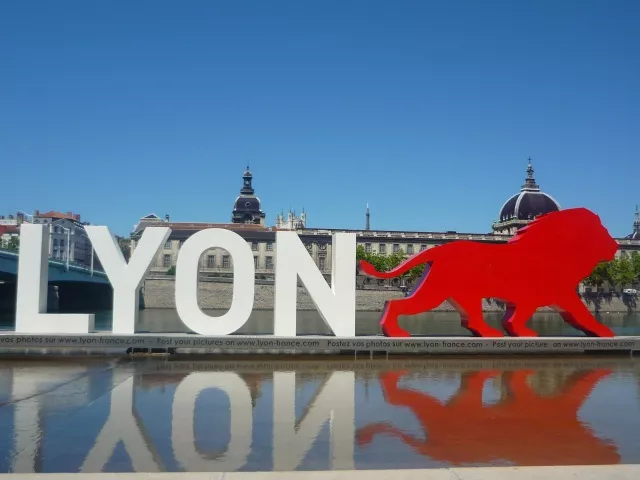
{"x": 426, "y": 256}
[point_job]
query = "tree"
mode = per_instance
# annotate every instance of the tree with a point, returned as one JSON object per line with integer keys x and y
{"x": 172, "y": 270}
{"x": 125, "y": 247}
{"x": 635, "y": 262}
{"x": 621, "y": 272}
{"x": 384, "y": 263}
{"x": 416, "y": 272}
{"x": 599, "y": 275}
{"x": 14, "y": 243}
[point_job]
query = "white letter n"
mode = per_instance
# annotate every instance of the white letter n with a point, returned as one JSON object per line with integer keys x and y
{"x": 336, "y": 304}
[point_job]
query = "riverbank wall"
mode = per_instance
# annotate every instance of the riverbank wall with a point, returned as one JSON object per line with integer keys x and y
{"x": 159, "y": 293}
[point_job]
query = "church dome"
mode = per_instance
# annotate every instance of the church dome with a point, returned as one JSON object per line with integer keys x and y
{"x": 529, "y": 202}
{"x": 635, "y": 235}
{"x": 247, "y": 204}
{"x": 246, "y": 208}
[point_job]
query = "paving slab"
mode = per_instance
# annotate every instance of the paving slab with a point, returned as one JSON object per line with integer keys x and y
{"x": 400, "y": 474}
{"x": 598, "y": 472}
{"x": 586, "y": 472}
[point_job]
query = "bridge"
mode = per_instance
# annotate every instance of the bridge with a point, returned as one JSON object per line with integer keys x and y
{"x": 71, "y": 286}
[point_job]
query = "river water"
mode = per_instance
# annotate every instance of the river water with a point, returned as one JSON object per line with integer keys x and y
{"x": 149, "y": 414}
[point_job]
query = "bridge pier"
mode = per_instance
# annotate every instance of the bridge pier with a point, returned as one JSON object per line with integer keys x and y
{"x": 8, "y": 294}
{"x": 53, "y": 301}
{"x": 7, "y": 297}
{"x": 89, "y": 297}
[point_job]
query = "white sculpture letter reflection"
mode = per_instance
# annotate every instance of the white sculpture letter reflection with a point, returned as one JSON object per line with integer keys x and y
{"x": 122, "y": 425}
{"x": 335, "y": 403}
{"x": 184, "y": 418}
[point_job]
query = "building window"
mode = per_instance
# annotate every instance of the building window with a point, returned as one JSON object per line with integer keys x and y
{"x": 62, "y": 242}
{"x": 55, "y": 242}
{"x": 383, "y": 248}
{"x": 321, "y": 263}
{"x": 167, "y": 260}
{"x": 211, "y": 261}
{"x": 255, "y": 262}
{"x": 268, "y": 264}
{"x": 225, "y": 261}
{"x": 396, "y": 248}
{"x": 367, "y": 247}
{"x": 254, "y": 246}
{"x": 410, "y": 249}
{"x": 269, "y": 246}
{"x": 423, "y": 247}
{"x": 167, "y": 244}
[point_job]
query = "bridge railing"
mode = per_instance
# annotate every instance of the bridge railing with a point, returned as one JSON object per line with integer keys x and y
{"x": 77, "y": 267}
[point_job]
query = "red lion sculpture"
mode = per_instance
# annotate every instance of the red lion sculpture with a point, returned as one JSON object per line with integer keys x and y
{"x": 541, "y": 265}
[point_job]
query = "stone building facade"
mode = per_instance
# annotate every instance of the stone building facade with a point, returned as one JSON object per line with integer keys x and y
{"x": 67, "y": 235}
{"x": 262, "y": 239}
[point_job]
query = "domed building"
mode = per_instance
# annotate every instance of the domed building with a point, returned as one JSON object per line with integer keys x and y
{"x": 635, "y": 235}
{"x": 524, "y": 206}
{"x": 246, "y": 208}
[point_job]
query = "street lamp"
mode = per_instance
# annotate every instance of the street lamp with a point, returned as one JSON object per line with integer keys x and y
{"x": 68, "y": 243}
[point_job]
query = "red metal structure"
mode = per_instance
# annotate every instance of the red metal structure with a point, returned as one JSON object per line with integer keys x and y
{"x": 541, "y": 265}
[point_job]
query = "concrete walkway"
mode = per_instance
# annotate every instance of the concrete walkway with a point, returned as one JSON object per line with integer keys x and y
{"x": 614, "y": 472}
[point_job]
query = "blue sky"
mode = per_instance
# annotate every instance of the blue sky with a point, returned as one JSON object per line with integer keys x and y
{"x": 427, "y": 110}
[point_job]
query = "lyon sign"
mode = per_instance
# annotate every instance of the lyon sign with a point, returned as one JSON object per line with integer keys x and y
{"x": 541, "y": 265}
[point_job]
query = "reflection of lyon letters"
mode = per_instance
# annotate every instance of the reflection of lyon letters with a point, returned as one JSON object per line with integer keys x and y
{"x": 26, "y": 386}
{"x": 292, "y": 437}
{"x": 524, "y": 428}
{"x": 335, "y": 403}
{"x": 123, "y": 425}
{"x": 184, "y": 417}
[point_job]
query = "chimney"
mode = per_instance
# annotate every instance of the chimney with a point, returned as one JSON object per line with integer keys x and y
{"x": 36, "y": 213}
{"x": 166, "y": 217}
{"x": 70, "y": 214}
{"x": 77, "y": 217}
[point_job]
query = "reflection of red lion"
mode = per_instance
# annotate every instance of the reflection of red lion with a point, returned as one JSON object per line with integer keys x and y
{"x": 542, "y": 265}
{"x": 524, "y": 428}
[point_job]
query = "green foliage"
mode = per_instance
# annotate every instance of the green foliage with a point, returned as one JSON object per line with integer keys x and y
{"x": 599, "y": 275}
{"x": 14, "y": 243}
{"x": 384, "y": 263}
{"x": 619, "y": 272}
{"x": 171, "y": 271}
{"x": 635, "y": 262}
{"x": 125, "y": 248}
